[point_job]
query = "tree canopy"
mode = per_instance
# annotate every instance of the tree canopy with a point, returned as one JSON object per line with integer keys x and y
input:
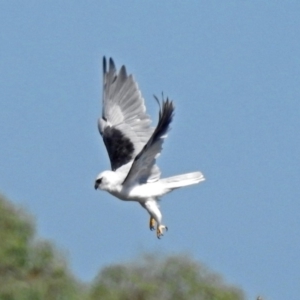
{"x": 150, "y": 277}
{"x": 29, "y": 268}
{"x": 33, "y": 269}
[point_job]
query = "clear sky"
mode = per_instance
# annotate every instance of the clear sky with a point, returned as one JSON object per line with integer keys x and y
{"x": 233, "y": 71}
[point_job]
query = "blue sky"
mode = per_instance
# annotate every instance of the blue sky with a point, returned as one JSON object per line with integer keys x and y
{"x": 233, "y": 71}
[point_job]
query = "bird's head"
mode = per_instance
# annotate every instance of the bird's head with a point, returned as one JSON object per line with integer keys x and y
{"x": 106, "y": 180}
{"x": 98, "y": 182}
{"x": 101, "y": 181}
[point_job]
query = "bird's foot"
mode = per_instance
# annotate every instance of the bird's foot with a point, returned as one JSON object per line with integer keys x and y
{"x": 152, "y": 224}
{"x": 160, "y": 230}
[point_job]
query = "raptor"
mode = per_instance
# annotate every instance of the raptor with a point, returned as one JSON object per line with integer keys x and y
{"x": 133, "y": 146}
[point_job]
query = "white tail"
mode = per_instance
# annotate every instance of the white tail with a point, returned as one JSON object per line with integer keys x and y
{"x": 178, "y": 181}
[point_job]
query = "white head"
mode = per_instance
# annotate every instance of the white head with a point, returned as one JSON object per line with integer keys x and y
{"x": 107, "y": 181}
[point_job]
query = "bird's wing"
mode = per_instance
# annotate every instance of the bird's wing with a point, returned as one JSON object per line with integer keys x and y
{"x": 144, "y": 163}
{"x": 124, "y": 125}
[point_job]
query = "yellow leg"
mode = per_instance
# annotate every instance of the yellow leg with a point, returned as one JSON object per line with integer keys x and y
{"x": 152, "y": 223}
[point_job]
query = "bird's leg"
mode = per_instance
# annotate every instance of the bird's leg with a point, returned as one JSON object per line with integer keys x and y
{"x": 155, "y": 216}
{"x": 160, "y": 230}
{"x": 152, "y": 223}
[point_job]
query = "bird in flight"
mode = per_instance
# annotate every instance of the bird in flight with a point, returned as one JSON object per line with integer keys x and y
{"x": 133, "y": 146}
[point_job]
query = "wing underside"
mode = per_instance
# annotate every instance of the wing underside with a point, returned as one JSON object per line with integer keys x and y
{"x": 124, "y": 125}
{"x": 144, "y": 163}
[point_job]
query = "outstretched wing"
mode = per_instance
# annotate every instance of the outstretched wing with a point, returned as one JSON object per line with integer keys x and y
{"x": 124, "y": 125}
{"x": 144, "y": 163}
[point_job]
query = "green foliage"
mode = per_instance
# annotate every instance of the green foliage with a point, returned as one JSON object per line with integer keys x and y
{"x": 175, "y": 277}
{"x": 29, "y": 269}
{"x": 33, "y": 270}
{"x": 16, "y": 231}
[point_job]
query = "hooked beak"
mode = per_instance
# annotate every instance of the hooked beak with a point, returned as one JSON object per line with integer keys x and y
{"x": 97, "y": 183}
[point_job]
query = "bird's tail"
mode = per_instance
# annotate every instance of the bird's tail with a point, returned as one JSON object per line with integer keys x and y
{"x": 178, "y": 181}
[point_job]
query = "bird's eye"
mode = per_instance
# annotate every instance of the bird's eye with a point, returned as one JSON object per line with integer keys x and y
{"x": 99, "y": 180}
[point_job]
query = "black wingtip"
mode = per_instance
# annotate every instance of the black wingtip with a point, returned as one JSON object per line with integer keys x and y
{"x": 111, "y": 64}
{"x": 104, "y": 64}
{"x": 166, "y": 107}
{"x": 123, "y": 72}
{"x": 166, "y": 114}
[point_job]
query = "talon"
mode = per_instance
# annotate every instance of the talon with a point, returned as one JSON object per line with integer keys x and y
{"x": 160, "y": 230}
{"x": 152, "y": 224}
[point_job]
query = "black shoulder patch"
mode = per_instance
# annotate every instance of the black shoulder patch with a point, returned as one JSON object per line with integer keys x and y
{"x": 120, "y": 149}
